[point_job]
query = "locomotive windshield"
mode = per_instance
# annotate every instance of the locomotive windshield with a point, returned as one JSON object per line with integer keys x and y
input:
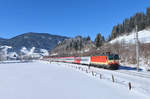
{"x": 113, "y": 57}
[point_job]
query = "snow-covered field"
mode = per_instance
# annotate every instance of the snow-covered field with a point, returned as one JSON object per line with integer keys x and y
{"x": 42, "y": 80}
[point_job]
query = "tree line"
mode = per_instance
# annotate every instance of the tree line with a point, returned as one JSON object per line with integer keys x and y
{"x": 141, "y": 20}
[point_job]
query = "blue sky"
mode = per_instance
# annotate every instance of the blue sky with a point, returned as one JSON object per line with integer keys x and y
{"x": 65, "y": 17}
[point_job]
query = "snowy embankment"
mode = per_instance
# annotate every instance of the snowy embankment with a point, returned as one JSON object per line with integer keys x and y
{"x": 122, "y": 77}
{"x": 42, "y": 80}
{"x": 144, "y": 37}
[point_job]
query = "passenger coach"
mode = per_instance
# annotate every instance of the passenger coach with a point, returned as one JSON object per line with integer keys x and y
{"x": 108, "y": 61}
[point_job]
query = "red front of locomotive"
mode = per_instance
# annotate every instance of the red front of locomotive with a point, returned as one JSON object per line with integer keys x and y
{"x": 113, "y": 61}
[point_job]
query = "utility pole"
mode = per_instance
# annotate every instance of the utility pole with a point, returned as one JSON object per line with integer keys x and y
{"x": 137, "y": 48}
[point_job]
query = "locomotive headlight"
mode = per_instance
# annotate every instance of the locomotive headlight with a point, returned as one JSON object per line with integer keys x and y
{"x": 110, "y": 62}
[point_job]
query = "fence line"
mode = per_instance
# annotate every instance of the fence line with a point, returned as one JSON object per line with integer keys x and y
{"x": 94, "y": 73}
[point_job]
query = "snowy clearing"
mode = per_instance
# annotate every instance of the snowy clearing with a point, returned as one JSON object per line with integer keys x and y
{"x": 144, "y": 36}
{"x": 42, "y": 80}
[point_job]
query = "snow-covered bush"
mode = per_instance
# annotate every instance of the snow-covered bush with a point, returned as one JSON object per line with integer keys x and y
{"x": 4, "y": 52}
{"x": 44, "y": 52}
{"x": 26, "y": 54}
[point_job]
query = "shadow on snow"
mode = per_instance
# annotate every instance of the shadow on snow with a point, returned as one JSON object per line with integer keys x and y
{"x": 129, "y": 68}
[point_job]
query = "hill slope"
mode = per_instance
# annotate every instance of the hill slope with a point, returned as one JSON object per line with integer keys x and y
{"x": 73, "y": 46}
{"x": 144, "y": 37}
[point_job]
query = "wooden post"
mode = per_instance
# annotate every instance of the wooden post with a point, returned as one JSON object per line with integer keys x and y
{"x": 86, "y": 71}
{"x": 113, "y": 80}
{"x": 129, "y": 86}
{"x": 82, "y": 69}
{"x": 100, "y": 76}
{"x": 79, "y": 68}
{"x": 89, "y": 66}
{"x": 92, "y": 73}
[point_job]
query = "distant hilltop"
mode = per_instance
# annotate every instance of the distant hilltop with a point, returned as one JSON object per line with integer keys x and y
{"x": 32, "y": 39}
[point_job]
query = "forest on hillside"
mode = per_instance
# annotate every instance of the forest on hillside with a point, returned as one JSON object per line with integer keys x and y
{"x": 141, "y": 20}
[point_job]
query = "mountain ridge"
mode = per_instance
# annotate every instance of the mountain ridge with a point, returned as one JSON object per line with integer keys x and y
{"x": 32, "y": 39}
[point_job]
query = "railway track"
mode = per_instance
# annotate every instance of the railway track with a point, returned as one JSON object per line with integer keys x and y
{"x": 134, "y": 73}
{"x": 128, "y": 72}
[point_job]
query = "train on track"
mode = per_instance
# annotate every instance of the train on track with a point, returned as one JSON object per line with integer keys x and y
{"x": 107, "y": 61}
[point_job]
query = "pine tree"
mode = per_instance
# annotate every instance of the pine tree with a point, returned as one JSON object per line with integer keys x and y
{"x": 140, "y": 19}
{"x": 98, "y": 40}
{"x": 75, "y": 46}
{"x": 88, "y": 38}
{"x": 114, "y": 32}
{"x": 103, "y": 39}
{"x": 148, "y": 17}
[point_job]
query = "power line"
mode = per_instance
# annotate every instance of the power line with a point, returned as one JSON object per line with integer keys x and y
{"x": 137, "y": 48}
